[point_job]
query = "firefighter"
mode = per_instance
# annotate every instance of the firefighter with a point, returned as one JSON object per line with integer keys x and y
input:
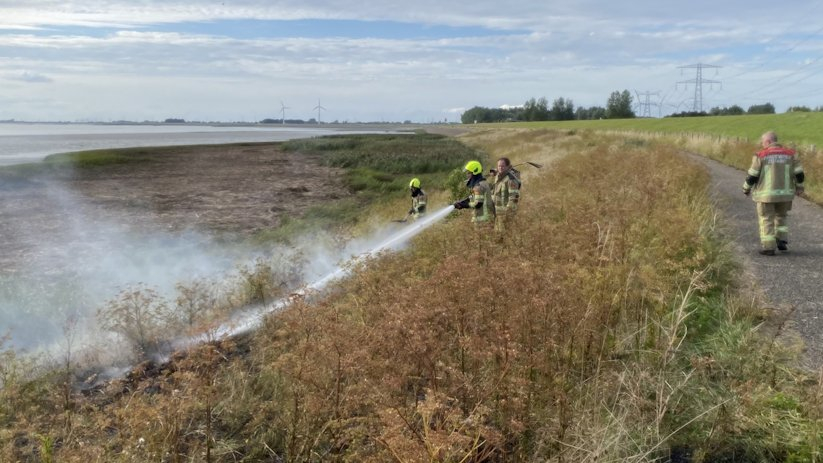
{"x": 506, "y": 193}
{"x": 480, "y": 195}
{"x": 418, "y": 207}
{"x": 773, "y": 179}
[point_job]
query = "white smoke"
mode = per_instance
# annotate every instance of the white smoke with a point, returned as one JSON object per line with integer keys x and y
{"x": 92, "y": 254}
{"x": 85, "y": 257}
{"x": 325, "y": 267}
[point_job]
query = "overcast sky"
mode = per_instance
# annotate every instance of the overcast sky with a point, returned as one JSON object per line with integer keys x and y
{"x": 422, "y": 60}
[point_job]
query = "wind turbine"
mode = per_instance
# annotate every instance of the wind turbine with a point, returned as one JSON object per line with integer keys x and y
{"x": 283, "y": 109}
{"x": 319, "y": 108}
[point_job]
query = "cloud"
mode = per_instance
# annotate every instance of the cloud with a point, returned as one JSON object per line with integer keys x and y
{"x": 535, "y": 16}
{"x": 30, "y": 77}
{"x": 404, "y": 59}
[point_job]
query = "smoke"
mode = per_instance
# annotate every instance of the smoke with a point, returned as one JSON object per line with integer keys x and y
{"x": 76, "y": 255}
{"x": 323, "y": 268}
{"x": 81, "y": 255}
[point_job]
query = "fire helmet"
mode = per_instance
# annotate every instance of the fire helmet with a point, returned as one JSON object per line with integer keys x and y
{"x": 415, "y": 183}
{"x": 474, "y": 167}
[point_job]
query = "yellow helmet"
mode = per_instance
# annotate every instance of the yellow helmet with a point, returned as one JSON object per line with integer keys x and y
{"x": 474, "y": 167}
{"x": 415, "y": 183}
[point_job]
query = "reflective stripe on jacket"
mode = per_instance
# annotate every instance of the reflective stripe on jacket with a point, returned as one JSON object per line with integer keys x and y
{"x": 775, "y": 168}
{"x": 506, "y": 192}
{"x": 481, "y": 193}
{"x": 419, "y": 204}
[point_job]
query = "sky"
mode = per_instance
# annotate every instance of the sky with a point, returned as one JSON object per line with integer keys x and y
{"x": 421, "y": 61}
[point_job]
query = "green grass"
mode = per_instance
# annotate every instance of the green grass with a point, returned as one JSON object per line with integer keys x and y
{"x": 378, "y": 168}
{"x": 96, "y": 158}
{"x": 800, "y": 128}
{"x": 65, "y": 162}
{"x": 341, "y": 213}
{"x": 409, "y": 155}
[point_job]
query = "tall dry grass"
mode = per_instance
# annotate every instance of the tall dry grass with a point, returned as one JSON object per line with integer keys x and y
{"x": 738, "y": 151}
{"x": 603, "y": 327}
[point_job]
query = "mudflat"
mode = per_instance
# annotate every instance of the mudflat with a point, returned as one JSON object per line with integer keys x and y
{"x": 231, "y": 191}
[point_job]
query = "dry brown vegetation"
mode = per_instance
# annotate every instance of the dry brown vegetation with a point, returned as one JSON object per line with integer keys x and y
{"x": 737, "y": 152}
{"x": 604, "y": 327}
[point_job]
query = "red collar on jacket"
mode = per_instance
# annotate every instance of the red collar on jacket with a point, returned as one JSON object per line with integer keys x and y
{"x": 775, "y": 148}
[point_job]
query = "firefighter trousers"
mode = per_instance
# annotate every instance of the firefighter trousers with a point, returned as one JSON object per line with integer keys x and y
{"x": 773, "y": 225}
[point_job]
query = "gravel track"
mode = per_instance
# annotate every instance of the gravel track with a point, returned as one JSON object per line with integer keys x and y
{"x": 790, "y": 283}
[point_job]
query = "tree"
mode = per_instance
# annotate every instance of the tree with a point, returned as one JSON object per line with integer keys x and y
{"x": 536, "y": 110}
{"x": 590, "y": 113}
{"x": 619, "y": 105}
{"x": 474, "y": 114}
{"x": 562, "y": 110}
{"x": 480, "y": 114}
{"x": 767, "y": 108}
{"x": 689, "y": 114}
{"x": 733, "y": 110}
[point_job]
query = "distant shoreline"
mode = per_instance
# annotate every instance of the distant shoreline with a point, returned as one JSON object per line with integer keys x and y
{"x": 25, "y": 142}
{"x": 290, "y": 125}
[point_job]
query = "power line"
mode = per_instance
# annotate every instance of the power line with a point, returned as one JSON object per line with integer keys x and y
{"x": 780, "y": 52}
{"x": 698, "y": 82}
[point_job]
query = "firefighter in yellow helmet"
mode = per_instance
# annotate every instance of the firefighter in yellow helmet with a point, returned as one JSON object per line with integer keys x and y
{"x": 418, "y": 206}
{"x": 480, "y": 195}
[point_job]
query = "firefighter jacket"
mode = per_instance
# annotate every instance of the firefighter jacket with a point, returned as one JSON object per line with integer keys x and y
{"x": 418, "y": 207}
{"x": 774, "y": 175}
{"x": 480, "y": 200}
{"x": 506, "y": 192}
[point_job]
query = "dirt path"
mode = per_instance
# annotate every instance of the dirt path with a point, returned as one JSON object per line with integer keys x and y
{"x": 792, "y": 282}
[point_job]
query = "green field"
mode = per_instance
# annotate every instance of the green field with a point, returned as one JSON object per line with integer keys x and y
{"x": 801, "y": 129}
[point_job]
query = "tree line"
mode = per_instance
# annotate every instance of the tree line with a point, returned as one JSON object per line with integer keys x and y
{"x": 618, "y": 106}
{"x": 735, "y": 110}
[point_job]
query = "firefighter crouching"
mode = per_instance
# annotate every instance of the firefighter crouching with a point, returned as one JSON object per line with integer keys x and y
{"x": 505, "y": 193}
{"x": 418, "y": 207}
{"x": 480, "y": 195}
{"x": 773, "y": 179}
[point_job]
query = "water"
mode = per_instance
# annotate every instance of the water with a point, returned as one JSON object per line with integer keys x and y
{"x": 22, "y": 142}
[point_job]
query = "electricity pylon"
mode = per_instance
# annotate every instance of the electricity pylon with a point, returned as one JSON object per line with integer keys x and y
{"x": 645, "y": 106}
{"x": 698, "y": 82}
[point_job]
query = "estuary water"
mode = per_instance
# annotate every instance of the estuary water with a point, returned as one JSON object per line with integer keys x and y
{"x": 30, "y": 142}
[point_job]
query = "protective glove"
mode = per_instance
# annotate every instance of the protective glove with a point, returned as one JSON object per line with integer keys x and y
{"x": 747, "y": 192}
{"x": 411, "y": 211}
{"x": 457, "y": 205}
